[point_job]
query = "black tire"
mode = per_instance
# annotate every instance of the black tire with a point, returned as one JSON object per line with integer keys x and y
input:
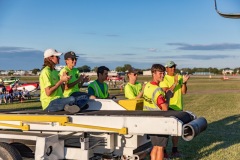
{"x": 8, "y": 152}
{"x": 23, "y": 149}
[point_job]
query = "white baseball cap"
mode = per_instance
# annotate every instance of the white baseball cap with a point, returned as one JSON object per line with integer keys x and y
{"x": 51, "y": 52}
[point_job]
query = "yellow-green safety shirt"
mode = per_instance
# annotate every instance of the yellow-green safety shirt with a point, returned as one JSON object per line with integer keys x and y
{"x": 49, "y": 78}
{"x": 97, "y": 90}
{"x": 176, "y": 102}
{"x": 150, "y": 94}
{"x": 132, "y": 90}
{"x": 74, "y": 74}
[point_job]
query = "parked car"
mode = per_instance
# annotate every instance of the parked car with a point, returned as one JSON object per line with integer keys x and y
{"x": 115, "y": 78}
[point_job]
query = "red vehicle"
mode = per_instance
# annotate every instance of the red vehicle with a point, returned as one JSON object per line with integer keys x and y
{"x": 115, "y": 78}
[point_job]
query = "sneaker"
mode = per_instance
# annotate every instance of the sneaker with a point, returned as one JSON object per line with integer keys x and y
{"x": 166, "y": 157}
{"x": 72, "y": 108}
{"x": 176, "y": 154}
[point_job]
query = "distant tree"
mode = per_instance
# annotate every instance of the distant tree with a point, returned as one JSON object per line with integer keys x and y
{"x": 95, "y": 69}
{"x": 84, "y": 68}
{"x": 10, "y": 73}
{"x": 119, "y": 69}
{"x": 35, "y": 71}
{"x": 127, "y": 67}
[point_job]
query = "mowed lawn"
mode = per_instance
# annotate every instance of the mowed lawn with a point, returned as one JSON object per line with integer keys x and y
{"x": 215, "y": 99}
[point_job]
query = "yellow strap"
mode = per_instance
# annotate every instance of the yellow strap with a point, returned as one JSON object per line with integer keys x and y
{"x": 120, "y": 131}
{"x": 21, "y": 126}
{"x": 34, "y": 118}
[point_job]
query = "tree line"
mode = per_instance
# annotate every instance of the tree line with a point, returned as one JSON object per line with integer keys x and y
{"x": 125, "y": 67}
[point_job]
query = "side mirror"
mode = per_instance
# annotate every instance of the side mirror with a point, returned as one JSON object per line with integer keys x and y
{"x": 227, "y": 15}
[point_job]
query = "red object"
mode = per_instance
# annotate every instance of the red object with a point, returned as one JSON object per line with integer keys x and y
{"x": 114, "y": 78}
{"x": 32, "y": 85}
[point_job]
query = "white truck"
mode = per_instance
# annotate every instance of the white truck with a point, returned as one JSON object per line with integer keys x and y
{"x": 106, "y": 130}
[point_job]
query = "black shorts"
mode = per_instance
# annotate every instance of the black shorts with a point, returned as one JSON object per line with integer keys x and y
{"x": 159, "y": 140}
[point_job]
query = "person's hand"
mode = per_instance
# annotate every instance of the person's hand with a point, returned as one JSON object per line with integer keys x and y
{"x": 81, "y": 77}
{"x": 185, "y": 78}
{"x": 86, "y": 78}
{"x": 143, "y": 86}
{"x": 64, "y": 77}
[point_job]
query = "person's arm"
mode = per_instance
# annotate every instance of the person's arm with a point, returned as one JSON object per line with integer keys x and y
{"x": 161, "y": 103}
{"x": 141, "y": 92}
{"x": 70, "y": 85}
{"x": 91, "y": 92}
{"x": 164, "y": 106}
{"x": 168, "y": 91}
{"x": 50, "y": 89}
{"x": 184, "y": 84}
{"x": 85, "y": 79}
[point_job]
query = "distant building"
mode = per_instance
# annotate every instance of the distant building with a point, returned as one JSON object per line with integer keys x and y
{"x": 202, "y": 73}
{"x": 147, "y": 73}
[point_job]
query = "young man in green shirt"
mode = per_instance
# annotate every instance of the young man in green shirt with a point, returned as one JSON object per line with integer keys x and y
{"x": 155, "y": 100}
{"x": 133, "y": 89}
{"x": 72, "y": 87}
{"x": 99, "y": 88}
{"x": 178, "y": 85}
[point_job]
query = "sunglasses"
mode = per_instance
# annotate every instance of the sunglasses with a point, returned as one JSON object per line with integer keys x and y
{"x": 55, "y": 56}
{"x": 135, "y": 74}
{"x": 73, "y": 59}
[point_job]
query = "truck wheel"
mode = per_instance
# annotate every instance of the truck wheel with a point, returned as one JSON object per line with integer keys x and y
{"x": 23, "y": 149}
{"x": 8, "y": 152}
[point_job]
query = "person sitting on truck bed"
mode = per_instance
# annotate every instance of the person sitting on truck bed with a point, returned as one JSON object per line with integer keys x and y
{"x": 51, "y": 96}
{"x": 72, "y": 87}
{"x": 99, "y": 88}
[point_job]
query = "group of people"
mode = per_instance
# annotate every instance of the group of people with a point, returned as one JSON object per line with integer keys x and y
{"x": 9, "y": 96}
{"x": 162, "y": 93}
{"x": 61, "y": 91}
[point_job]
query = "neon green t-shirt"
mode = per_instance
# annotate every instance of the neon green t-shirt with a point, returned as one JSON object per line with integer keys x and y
{"x": 74, "y": 73}
{"x": 132, "y": 90}
{"x": 49, "y": 78}
{"x": 176, "y": 102}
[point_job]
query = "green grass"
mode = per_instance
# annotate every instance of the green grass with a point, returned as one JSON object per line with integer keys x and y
{"x": 216, "y": 100}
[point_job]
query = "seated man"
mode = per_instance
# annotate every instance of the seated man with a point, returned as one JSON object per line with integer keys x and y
{"x": 9, "y": 97}
{"x": 72, "y": 87}
{"x": 99, "y": 88}
{"x": 25, "y": 94}
{"x": 2, "y": 97}
{"x": 133, "y": 89}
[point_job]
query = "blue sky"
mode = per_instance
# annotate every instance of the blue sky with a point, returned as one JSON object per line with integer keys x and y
{"x": 118, "y": 32}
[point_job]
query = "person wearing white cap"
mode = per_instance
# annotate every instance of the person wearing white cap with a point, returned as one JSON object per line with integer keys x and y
{"x": 51, "y": 96}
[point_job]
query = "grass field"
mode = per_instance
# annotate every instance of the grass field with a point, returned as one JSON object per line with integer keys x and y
{"x": 216, "y": 100}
